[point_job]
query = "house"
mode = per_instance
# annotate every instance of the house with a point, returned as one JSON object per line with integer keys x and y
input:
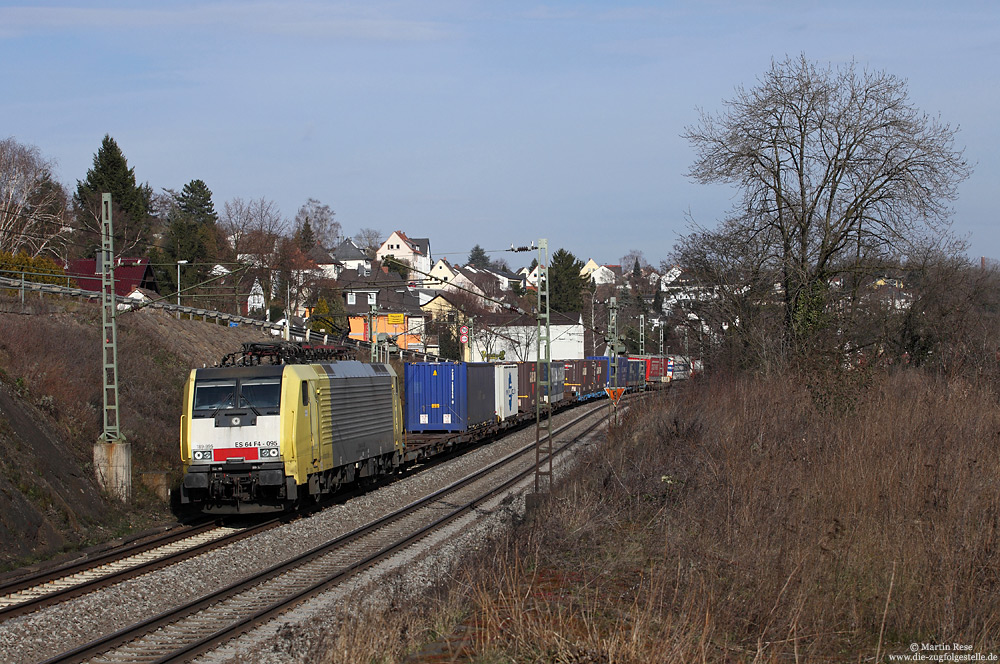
{"x": 137, "y": 298}
{"x": 351, "y": 256}
{"x": 255, "y": 302}
{"x": 514, "y": 337}
{"x": 130, "y": 274}
{"x": 441, "y": 274}
{"x": 441, "y": 308}
{"x": 381, "y": 303}
{"x": 329, "y": 267}
{"x": 606, "y": 274}
{"x": 415, "y": 252}
{"x": 589, "y": 267}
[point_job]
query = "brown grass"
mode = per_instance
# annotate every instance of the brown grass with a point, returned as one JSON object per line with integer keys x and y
{"x": 738, "y": 521}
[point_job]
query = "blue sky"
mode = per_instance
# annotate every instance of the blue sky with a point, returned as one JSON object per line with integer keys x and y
{"x": 468, "y": 122}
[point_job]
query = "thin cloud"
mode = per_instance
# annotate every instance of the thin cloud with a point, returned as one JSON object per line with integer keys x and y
{"x": 286, "y": 19}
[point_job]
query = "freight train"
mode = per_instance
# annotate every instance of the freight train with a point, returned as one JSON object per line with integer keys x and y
{"x": 268, "y": 437}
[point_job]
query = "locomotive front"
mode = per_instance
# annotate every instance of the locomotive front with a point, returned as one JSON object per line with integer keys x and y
{"x": 230, "y": 440}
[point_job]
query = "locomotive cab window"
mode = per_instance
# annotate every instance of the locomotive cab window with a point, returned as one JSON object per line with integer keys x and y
{"x": 263, "y": 394}
{"x": 214, "y": 394}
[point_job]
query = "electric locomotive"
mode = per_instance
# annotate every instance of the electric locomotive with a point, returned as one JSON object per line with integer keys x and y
{"x": 263, "y": 438}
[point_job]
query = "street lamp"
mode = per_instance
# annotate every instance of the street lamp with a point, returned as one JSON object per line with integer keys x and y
{"x": 179, "y": 263}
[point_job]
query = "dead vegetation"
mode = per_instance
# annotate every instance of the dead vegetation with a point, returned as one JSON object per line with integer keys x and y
{"x": 51, "y": 414}
{"x": 739, "y": 522}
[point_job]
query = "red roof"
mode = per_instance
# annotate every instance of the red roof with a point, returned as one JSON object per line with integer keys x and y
{"x": 130, "y": 273}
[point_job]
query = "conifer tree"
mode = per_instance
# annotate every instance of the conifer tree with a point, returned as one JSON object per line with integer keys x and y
{"x": 565, "y": 282}
{"x": 478, "y": 258}
{"x": 132, "y": 202}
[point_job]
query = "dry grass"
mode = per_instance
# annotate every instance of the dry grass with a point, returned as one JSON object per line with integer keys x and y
{"x": 739, "y": 521}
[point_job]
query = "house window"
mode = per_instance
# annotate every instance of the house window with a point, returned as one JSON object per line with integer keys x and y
{"x": 371, "y": 298}
{"x": 351, "y": 298}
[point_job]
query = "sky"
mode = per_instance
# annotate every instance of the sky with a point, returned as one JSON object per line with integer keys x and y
{"x": 467, "y": 122}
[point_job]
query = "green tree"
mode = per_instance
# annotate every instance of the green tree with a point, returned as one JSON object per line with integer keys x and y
{"x": 192, "y": 235}
{"x": 637, "y": 271}
{"x": 478, "y": 258}
{"x": 565, "y": 282}
{"x": 305, "y": 237}
{"x": 448, "y": 345}
{"x": 327, "y": 318}
{"x": 131, "y": 202}
{"x": 401, "y": 268}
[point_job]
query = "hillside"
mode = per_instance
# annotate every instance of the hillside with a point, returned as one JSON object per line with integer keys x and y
{"x": 51, "y": 410}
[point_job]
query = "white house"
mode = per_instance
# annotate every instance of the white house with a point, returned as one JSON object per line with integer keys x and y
{"x": 441, "y": 274}
{"x": 352, "y": 257}
{"x": 416, "y": 252}
{"x": 515, "y": 337}
{"x": 255, "y": 302}
{"x": 603, "y": 275}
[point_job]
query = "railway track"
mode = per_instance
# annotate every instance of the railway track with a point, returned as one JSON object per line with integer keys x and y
{"x": 53, "y": 586}
{"x": 201, "y": 625}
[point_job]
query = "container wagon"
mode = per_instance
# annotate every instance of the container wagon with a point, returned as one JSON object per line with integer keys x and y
{"x": 506, "y": 391}
{"x": 449, "y": 396}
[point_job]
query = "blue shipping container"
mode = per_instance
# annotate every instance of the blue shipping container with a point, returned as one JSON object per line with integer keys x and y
{"x": 448, "y": 396}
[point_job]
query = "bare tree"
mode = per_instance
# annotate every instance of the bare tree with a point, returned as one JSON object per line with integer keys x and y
{"x": 320, "y": 218}
{"x": 253, "y": 229}
{"x": 32, "y": 204}
{"x": 241, "y": 220}
{"x": 369, "y": 240}
{"x": 836, "y": 167}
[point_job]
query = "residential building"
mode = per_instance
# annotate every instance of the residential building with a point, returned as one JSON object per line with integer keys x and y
{"x": 381, "y": 303}
{"x": 514, "y": 337}
{"x": 589, "y": 267}
{"x": 130, "y": 273}
{"x": 415, "y": 252}
{"x": 441, "y": 274}
{"x": 351, "y": 256}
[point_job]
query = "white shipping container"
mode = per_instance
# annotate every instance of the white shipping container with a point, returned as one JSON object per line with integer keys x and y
{"x": 506, "y": 391}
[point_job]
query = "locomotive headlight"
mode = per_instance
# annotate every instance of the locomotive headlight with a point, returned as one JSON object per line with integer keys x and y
{"x": 202, "y": 455}
{"x": 269, "y": 452}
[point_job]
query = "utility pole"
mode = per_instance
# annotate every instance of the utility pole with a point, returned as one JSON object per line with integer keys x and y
{"x": 615, "y": 344}
{"x": 543, "y": 377}
{"x": 112, "y": 454}
{"x": 372, "y": 336}
{"x": 179, "y": 263}
{"x": 642, "y": 334}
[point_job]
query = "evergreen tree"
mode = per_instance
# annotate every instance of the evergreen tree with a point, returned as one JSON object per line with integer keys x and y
{"x": 565, "y": 282}
{"x": 195, "y": 200}
{"x": 637, "y": 271}
{"x": 132, "y": 202}
{"x": 305, "y": 237}
{"x": 478, "y": 258}
{"x": 191, "y": 235}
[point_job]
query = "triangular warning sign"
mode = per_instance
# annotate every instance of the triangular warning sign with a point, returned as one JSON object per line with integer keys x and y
{"x": 615, "y": 393}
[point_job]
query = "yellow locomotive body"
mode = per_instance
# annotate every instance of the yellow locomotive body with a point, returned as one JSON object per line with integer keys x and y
{"x": 263, "y": 438}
